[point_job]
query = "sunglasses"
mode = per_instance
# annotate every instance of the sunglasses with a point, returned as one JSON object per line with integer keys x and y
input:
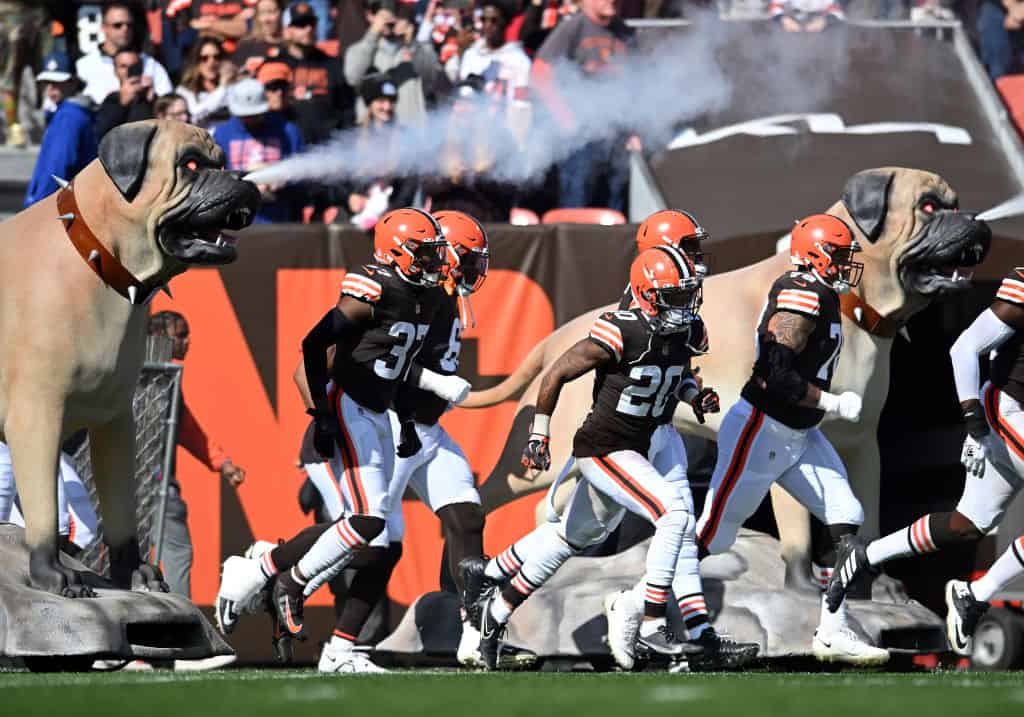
{"x": 304, "y": 22}
{"x": 276, "y": 86}
{"x": 120, "y": 25}
{"x": 210, "y": 58}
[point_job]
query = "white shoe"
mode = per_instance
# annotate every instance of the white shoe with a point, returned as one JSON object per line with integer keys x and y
{"x": 210, "y": 663}
{"x": 468, "y": 653}
{"x": 241, "y": 580}
{"x": 624, "y": 618}
{"x": 258, "y": 549}
{"x": 345, "y": 660}
{"x": 844, "y": 645}
{"x": 130, "y": 666}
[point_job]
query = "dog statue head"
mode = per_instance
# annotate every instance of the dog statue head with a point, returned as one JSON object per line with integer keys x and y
{"x": 910, "y": 225}
{"x": 170, "y": 177}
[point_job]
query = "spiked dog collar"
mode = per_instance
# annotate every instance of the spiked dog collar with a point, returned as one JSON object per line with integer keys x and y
{"x": 866, "y": 317}
{"x": 105, "y": 265}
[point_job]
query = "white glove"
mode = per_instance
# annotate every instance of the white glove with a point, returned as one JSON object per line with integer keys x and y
{"x": 451, "y": 388}
{"x": 973, "y": 457}
{"x": 846, "y": 405}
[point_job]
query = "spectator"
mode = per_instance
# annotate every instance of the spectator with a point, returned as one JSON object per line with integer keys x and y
{"x": 255, "y": 137}
{"x": 324, "y": 16}
{"x": 266, "y": 39}
{"x": 380, "y": 190}
{"x": 805, "y": 15}
{"x": 133, "y": 101}
{"x": 467, "y": 159}
{"x": 205, "y": 82}
{"x": 276, "y": 78}
{"x": 389, "y": 46}
{"x": 70, "y": 139}
{"x": 97, "y": 68}
{"x": 227, "y": 20}
{"x": 176, "y": 558}
{"x": 1002, "y": 43}
{"x": 597, "y": 173}
{"x": 20, "y": 24}
{"x": 171, "y": 107}
{"x": 503, "y": 65}
{"x": 323, "y": 101}
{"x": 540, "y": 18}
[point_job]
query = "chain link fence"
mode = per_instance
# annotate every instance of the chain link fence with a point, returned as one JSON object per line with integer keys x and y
{"x": 155, "y": 404}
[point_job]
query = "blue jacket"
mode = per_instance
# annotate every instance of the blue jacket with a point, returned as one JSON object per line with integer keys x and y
{"x": 68, "y": 145}
{"x": 277, "y": 139}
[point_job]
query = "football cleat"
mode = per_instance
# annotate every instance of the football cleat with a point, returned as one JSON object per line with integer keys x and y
{"x": 664, "y": 642}
{"x": 962, "y": 616}
{"x": 240, "y": 583}
{"x": 851, "y": 561}
{"x": 468, "y": 652}
{"x": 624, "y": 618}
{"x": 491, "y": 632}
{"x": 476, "y": 585}
{"x": 288, "y": 601}
{"x": 719, "y": 652}
{"x": 345, "y": 660}
{"x": 844, "y": 645}
{"x": 515, "y": 658}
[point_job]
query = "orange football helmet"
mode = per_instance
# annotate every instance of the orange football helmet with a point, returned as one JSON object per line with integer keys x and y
{"x": 825, "y": 245}
{"x": 469, "y": 243}
{"x": 411, "y": 241}
{"x": 673, "y": 227}
{"x": 666, "y": 287}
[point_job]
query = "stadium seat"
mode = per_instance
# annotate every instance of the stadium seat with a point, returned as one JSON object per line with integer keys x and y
{"x": 584, "y": 215}
{"x": 307, "y": 214}
{"x": 523, "y": 217}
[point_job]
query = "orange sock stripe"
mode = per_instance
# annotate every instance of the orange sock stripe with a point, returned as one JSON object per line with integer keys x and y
{"x": 732, "y": 475}
{"x": 344, "y": 635}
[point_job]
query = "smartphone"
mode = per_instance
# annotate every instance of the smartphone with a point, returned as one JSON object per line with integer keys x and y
{"x": 135, "y": 70}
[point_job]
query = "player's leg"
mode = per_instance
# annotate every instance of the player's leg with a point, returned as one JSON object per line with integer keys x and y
{"x": 980, "y": 509}
{"x": 820, "y": 484}
{"x": 366, "y": 462}
{"x": 8, "y": 487}
{"x": 328, "y": 484}
{"x": 83, "y": 521}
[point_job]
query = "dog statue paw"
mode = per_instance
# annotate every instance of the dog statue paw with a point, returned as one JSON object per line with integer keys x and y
{"x": 46, "y": 573}
{"x": 129, "y": 572}
{"x": 148, "y": 578}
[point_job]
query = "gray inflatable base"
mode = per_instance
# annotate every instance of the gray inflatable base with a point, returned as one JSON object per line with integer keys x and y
{"x": 118, "y": 624}
{"x": 744, "y": 591}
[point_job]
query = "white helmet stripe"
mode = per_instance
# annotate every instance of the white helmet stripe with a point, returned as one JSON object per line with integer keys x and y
{"x": 679, "y": 259}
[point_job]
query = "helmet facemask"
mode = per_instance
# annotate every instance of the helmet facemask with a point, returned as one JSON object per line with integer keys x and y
{"x": 471, "y": 271}
{"x": 429, "y": 260}
{"x": 691, "y": 246}
{"x": 842, "y": 273}
{"x": 677, "y": 306}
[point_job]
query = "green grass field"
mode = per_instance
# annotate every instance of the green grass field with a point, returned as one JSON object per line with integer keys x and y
{"x": 294, "y": 693}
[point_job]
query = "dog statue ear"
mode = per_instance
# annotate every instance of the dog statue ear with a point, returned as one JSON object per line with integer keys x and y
{"x": 866, "y": 197}
{"x": 124, "y": 154}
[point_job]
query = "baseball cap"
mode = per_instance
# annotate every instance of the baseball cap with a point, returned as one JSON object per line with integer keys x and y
{"x": 377, "y": 86}
{"x": 301, "y": 13}
{"x": 274, "y": 72}
{"x": 246, "y": 98}
{"x": 56, "y": 68}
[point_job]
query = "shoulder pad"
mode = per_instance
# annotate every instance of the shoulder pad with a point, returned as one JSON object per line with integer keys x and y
{"x": 799, "y": 293}
{"x": 362, "y": 287}
{"x": 607, "y": 333}
{"x": 1012, "y": 288}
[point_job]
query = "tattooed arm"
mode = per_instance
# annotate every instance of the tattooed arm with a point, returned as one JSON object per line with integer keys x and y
{"x": 791, "y": 331}
{"x": 583, "y": 357}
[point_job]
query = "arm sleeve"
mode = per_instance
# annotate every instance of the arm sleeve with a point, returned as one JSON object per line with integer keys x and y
{"x": 984, "y": 335}
{"x": 193, "y": 439}
{"x": 59, "y": 146}
{"x": 359, "y": 57}
{"x": 334, "y": 326}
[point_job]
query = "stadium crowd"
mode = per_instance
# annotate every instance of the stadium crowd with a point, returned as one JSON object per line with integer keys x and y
{"x": 270, "y": 78}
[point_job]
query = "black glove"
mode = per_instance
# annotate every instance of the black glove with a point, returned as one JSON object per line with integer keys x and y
{"x": 974, "y": 416}
{"x": 409, "y": 445}
{"x": 706, "y": 401}
{"x": 325, "y": 432}
{"x": 537, "y": 454}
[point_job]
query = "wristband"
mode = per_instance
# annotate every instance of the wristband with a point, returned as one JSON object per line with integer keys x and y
{"x": 977, "y": 426}
{"x": 541, "y": 425}
{"x": 828, "y": 402}
{"x": 688, "y": 390}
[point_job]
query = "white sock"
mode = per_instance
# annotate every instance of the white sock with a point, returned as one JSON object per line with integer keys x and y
{"x": 501, "y": 610}
{"x": 1008, "y": 566}
{"x": 832, "y": 621}
{"x": 687, "y": 587}
{"x": 649, "y": 627}
{"x": 510, "y": 560}
{"x": 336, "y": 543}
{"x": 341, "y": 643}
{"x": 663, "y": 553}
{"x": 915, "y": 539}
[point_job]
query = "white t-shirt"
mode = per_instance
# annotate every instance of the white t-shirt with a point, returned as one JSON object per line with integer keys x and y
{"x": 505, "y": 69}
{"x": 96, "y": 70}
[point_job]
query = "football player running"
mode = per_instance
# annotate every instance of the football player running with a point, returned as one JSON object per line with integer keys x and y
{"x": 641, "y": 358}
{"x": 771, "y": 434}
{"x": 993, "y": 454}
{"x": 378, "y": 326}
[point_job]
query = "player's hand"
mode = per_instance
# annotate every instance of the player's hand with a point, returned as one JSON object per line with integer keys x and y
{"x": 233, "y": 474}
{"x": 846, "y": 405}
{"x": 973, "y": 457}
{"x": 325, "y": 432}
{"x": 409, "y": 443}
{"x": 706, "y": 401}
{"x": 537, "y": 454}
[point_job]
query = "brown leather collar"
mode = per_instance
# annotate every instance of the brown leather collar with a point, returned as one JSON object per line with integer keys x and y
{"x": 107, "y": 267}
{"x": 861, "y": 313}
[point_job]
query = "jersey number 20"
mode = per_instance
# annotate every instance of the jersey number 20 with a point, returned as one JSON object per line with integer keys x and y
{"x": 635, "y": 399}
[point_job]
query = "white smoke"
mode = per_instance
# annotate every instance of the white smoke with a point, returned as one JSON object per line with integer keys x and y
{"x": 674, "y": 80}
